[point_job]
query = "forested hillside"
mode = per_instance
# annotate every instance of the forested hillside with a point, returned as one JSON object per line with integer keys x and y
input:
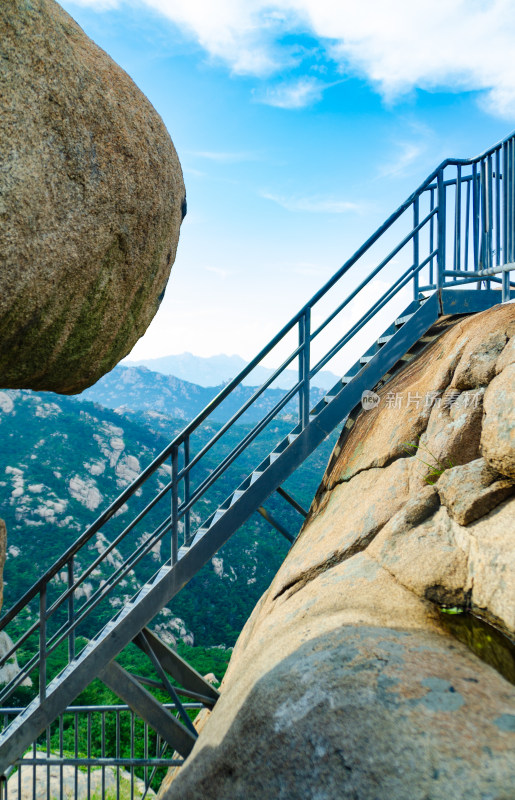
{"x": 63, "y": 461}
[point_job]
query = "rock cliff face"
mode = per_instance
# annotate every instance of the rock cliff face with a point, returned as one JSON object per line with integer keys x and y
{"x": 91, "y": 200}
{"x": 345, "y": 682}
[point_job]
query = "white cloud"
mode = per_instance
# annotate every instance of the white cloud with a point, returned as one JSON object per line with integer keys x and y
{"x": 296, "y": 94}
{"x": 224, "y": 158}
{"x": 315, "y": 204}
{"x": 408, "y": 152}
{"x": 219, "y": 271}
{"x": 397, "y": 45}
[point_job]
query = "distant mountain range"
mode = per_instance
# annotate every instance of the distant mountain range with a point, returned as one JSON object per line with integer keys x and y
{"x": 139, "y": 389}
{"x": 216, "y": 370}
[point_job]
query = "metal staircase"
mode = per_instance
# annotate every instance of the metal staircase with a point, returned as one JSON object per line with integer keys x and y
{"x": 451, "y": 245}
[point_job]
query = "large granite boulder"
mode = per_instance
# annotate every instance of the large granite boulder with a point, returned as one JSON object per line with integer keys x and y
{"x": 91, "y": 201}
{"x": 346, "y": 682}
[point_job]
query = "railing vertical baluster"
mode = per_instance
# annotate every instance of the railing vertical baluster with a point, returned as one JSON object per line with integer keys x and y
{"x": 507, "y": 204}
{"x": 145, "y": 751}
{"x": 132, "y": 753}
{"x": 498, "y": 207}
{"x": 507, "y": 215}
{"x": 512, "y": 201}
{"x": 441, "y": 212}
{"x": 88, "y": 723}
{"x": 175, "y": 504}
{"x": 488, "y": 220}
{"x": 187, "y": 516}
{"x": 34, "y": 776}
{"x": 475, "y": 217}
{"x": 304, "y": 366}
{"x": 61, "y": 753}
{"x": 42, "y": 642}
{"x": 117, "y": 754}
{"x": 48, "y": 765}
{"x": 431, "y": 236}
{"x": 71, "y": 612}
{"x": 486, "y": 213}
{"x": 467, "y": 229}
{"x": 457, "y": 221}
{"x": 416, "y": 254}
{"x": 490, "y": 209}
{"x": 76, "y": 749}
{"x": 103, "y": 749}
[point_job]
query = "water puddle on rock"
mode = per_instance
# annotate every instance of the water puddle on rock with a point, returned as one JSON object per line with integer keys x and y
{"x": 487, "y": 642}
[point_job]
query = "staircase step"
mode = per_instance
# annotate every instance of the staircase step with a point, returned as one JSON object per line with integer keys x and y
{"x": 384, "y": 339}
{"x": 236, "y": 496}
{"x": 400, "y": 321}
{"x": 273, "y": 457}
{"x": 255, "y": 475}
{"x": 365, "y": 359}
{"x": 217, "y": 515}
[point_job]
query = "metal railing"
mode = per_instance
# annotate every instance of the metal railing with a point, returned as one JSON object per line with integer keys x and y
{"x": 91, "y": 753}
{"x": 456, "y": 229}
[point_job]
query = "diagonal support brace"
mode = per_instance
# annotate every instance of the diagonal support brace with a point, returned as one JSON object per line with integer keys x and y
{"x": 145, "y": 705}
{"x": 144, "y": 645}
{"x": 275, "y": 524}
{"x": 179, "y": 669}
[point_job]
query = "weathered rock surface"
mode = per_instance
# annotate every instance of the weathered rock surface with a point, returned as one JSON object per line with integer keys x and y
{"x": 10, "y": 669}
{"x": 471, "y": 491}
{"x": 91, "y": 201}
{"x": 498, "y": 435}
{"x": 344, "y": 682}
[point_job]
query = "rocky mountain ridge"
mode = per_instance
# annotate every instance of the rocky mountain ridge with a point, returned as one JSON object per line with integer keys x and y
{"x": 216, "y": 370}
{"x": 140, "y": 389}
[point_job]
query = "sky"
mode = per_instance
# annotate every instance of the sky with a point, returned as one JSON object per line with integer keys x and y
{"x": 300, "y": 126}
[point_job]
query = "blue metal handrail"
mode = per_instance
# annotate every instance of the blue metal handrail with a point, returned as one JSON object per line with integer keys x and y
{"x": 469, "y": 215}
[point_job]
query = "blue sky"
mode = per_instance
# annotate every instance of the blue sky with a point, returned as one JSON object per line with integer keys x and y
{"x": 300, "y": 126}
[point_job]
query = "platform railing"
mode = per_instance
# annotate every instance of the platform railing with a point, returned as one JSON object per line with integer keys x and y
{"x": 91, "y": 753}
{"x": 457, "y": 229}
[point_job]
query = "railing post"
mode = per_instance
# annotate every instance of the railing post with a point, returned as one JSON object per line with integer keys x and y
{"x": 441, "y": 212}
{"x": 304, "y": 366}
{"x": 42, "y": 642}
{"x": 416, "y": 258}
{"x": 175, "y": 504}
{"x": 187, "y": 518}
{"x": 71, "y": 612}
